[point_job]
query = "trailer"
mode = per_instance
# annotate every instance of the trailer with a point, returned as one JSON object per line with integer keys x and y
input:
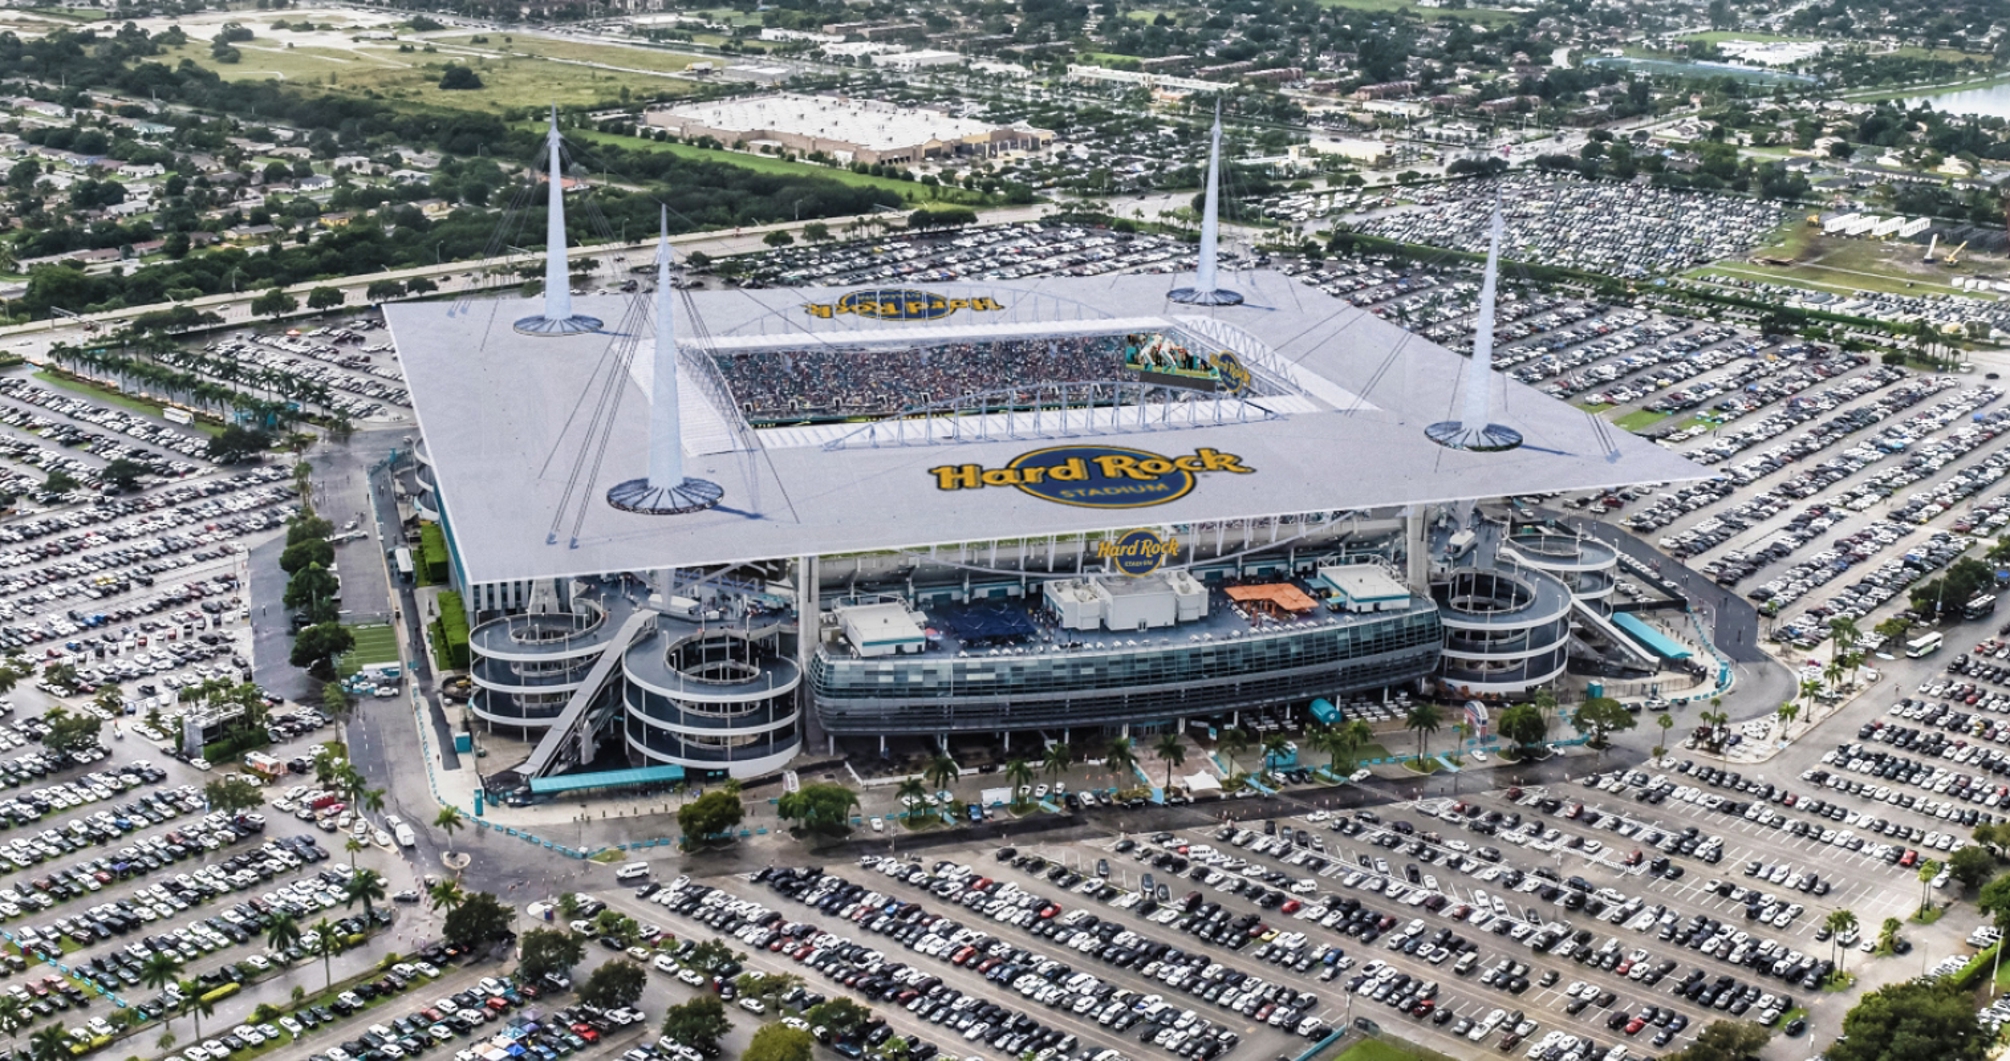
{"x": 1914, "y": 227}
{"x": 1887, "y": 226}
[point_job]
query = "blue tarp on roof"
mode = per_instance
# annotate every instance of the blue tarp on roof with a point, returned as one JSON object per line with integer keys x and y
{"x": 643, "y": 775}
{"x": 1651, "y": 639}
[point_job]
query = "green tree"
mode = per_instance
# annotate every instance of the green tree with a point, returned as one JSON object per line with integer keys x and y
{"x": 449, "y": 821}
{"x": 775, "y": 1042}
{"x": 1019, "y": 774}
{"x": 195, "y": 1003}
{"x": 273, "y": 303}
{"x": 941, "y": 771}
{"x": 69, "y": 731}
{"x": 1276, "y": 748}
{"x": 1600, "y": 716}
{"x": 231, "y": 793}
{"x": 822, "y": 807}
{"x": 778, "y": 238}
{"x": 336, "y": 699}
{"x": 550, "y": 950}
{"x": 237, "y": 444}
{"x": 49, "y": 1043}
{"x": 365, "y": 886}
{"x": 458, "y": 78}
{"x": 480, "y": 920}
{"x": 1840, "y": 923}
{"x": 299, "y": 555}
{"x": 59, "y": 482}
{"x": 698, "y": 1024}
{"x": 1524, "y": 725}
{"x": 1726, "y": 1040}
{"x": 911, "y": 792}
{"x": 1057, "y": 760}
{"x": 1424, "y": 719}
{"x": 1232, "y": 742}
{"x": 325, "y": 298}
{"x": 1912, "y": 1019}
{"x": 327, "y": 940}
{"x": 282, "y": 932}
{"x": 123, "y": 474}
{"x": 15, "y": 1016}
{"x": 317, "y": 647}
{"x": 1122, "y": 760}
{"x": 1173, "y": 751}
{"x": 841, "y": 1016}
{"x": 446, "y": 895}
{"x": 1972, "y": 866}
{"x": 1887, "y": 935}
{"x": 613, "y": 985}
{"x": 713, "y": 814}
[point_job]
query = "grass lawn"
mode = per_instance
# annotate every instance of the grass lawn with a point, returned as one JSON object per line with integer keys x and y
{"x": 638, "y": 57}
{"x": 1485, "y": 16}
{"x": 1843, "y": 264}
{"x": 1384, "y": 1050}
{"x": 766, "y": 164}
{"x": 111, "y": 397}
{"x": 375, "y": 643}
{"x": 1592, "y": 407}
{"x": 509, "y": 82}
{"x": 1640, "y": 419}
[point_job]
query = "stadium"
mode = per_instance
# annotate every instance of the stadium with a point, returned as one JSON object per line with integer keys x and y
{"x": 700, "y": 534}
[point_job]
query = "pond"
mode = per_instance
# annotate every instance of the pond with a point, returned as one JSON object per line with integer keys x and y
{"x": 1989, "y": 101}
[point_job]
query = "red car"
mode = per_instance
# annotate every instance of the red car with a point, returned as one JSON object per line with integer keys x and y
{"x": 1633, "y": 1026}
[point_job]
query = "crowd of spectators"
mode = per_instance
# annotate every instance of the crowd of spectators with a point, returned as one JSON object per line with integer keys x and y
{"x": 791, "y": 386}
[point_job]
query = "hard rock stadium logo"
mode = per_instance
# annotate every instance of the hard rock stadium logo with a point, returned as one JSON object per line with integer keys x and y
{"x": 898, "y": 304}
{"x": 1095, "y": 476}
{"x": 1138, "y": 553}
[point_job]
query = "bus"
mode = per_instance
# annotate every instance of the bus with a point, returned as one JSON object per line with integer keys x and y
{"x": 1982, "y": 607}
{"x": 402, "y": 557}
{"x": 1922, "y": 646}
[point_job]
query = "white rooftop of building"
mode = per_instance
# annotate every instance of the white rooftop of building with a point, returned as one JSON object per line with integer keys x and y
{"x": 1363, "y": 582}
{"x": 1339, "y": 428}
{"x": 867, "y": 123}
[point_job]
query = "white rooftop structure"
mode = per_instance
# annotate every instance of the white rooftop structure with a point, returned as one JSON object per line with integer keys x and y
{"x": 867, "y": 123}
{"x": 1335, "y": 425}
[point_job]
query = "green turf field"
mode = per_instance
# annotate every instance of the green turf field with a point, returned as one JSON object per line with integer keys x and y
{"x": 376, "y": 643}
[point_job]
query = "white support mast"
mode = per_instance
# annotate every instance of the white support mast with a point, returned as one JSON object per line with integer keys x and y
{"x": 665, "y": 491}
{"x": 1474, "y": 431}
{"x": 558, "y": 318}
{"x": 1206, "y": 290}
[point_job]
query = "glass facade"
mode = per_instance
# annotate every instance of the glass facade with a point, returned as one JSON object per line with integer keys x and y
{"x": 931, "y": 694}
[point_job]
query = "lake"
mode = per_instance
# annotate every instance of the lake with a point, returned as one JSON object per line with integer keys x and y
{"x": 1989, "y": 101}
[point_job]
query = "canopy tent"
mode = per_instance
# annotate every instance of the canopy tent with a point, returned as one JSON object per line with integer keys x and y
{"x": 990, "y": 623}
{"x": 1276, "y": 597}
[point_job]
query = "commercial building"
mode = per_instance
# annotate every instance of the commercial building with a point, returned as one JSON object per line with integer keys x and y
{"x": 984, "y": 511}
{"x": 849, "y": 130}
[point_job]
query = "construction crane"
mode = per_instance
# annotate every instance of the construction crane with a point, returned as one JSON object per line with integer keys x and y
{"x": 1954, "y": 255}
{"x": 1931, "y": 243}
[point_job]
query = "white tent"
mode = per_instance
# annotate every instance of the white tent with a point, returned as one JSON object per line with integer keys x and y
{"x": 1200, "y": 785}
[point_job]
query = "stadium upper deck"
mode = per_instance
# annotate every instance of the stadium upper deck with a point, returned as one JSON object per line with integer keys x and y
{"x": 1336, "y": 423}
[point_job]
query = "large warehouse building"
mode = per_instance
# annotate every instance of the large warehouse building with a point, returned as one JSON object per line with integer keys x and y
{"x": 848, "y": 130}
{"x": 1011, "y": 509}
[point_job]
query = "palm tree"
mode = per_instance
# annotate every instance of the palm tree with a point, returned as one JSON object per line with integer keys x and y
{"x": 1058, "y": 758}
{"x": 911, "y": 793}
{"x": 1839, "y": 923}
{"x": 366, "y": 887}
{"x": 1667, "y": 722}
{"x": 1809, "y": 688}
{"x": 1123, "y": 757}
{"x": 1844, "y": 635}
{"x": 1928, "y": 869}
{"x": 196, "y": 1006}
{"x": 1787, "y": 712}
{"x": 50, "y": 1043}
{"x": 1465, "y": 731}
{"x": 1173, "y": 752}
{"x": 159, "y": 970}
{"x": 1425, "y": 718}
{"x": 14, "y": 1016}
{"x": 1276, "y": 746}
{"x": 941, "y": 771}
{"x": 1887, "y": 934}
{"x": 449, "y": 821}
{"x": 326, "y": 936}
{"x": 1232, "y": 742}
{"x": 353, "y": 845}
{"x": 282, "y": 933}
{"x": 1018, "y": 774}
{"x": 1358, "y": 735}
{"x": 446, "y": 895}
